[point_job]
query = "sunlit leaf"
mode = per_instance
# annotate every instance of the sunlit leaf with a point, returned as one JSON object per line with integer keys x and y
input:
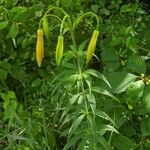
{"x": 14, "y": 30}
{"x": 108, "y": 127}
{"x": 135, "y": 90}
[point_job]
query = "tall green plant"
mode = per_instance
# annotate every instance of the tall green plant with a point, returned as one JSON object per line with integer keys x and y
{"x": 77, "y": 93}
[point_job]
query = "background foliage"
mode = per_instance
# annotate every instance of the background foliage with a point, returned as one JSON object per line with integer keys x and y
{"x": 41, "y": 108}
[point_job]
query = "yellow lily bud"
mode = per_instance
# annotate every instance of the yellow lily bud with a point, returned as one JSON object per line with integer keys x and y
{"x": 39, "y": 47}
{"x": 92, "y": 45}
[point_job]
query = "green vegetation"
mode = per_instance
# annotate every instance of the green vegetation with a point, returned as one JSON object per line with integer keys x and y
{"x": 74, "y": 75}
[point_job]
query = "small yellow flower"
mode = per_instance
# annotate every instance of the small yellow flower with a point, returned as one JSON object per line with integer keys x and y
{"x": 142, "y": 75}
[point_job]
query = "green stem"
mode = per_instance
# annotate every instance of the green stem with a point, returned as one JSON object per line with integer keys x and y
{"x": 74, "y": 44}
{"x": 58, "y": 8}
{"x": 77, "y": 21}
{"x": 52, "y": 15}
{"x": 44, "y": 125}
{"x": 73, "y": 39}
{"x": 111, "y": 134}
{"x": 49, "y": 15}
{"x": 75, "y": 24}
{"x": 77, "y": 54}
{"x": 62, "y": 24}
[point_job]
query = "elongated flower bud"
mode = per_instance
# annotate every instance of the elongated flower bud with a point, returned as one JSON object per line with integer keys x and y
{"x": 59, "y": 49}
{"x": 39, "y": 47}
{"x": 45, "y": 26}
{"x": 92, "y": 45}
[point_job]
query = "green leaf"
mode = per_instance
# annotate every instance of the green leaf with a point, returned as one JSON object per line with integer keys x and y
{"x": 10, "y": 3}
{"x": 91, "y": 98}
{"x": 24, "y": 43}
{"x": 109, "y": 55}
{"x": 131, "y": 43}
{"x": 68, "y": 56}
{"x": 136, "y": 64}
{"x": 125, "y": 8}
{"x": 95, "y": 8}
{"x": 92, "y": 101}
{"x": 64, "y": 75}
{"x": 9, "y": 105}
{"x": 14, "y": 30}
{"x": 108, "y": 127}
{"x": 3, "y": 24}
{"x": 147, "y": 145}
{"x": 11, "y": 94}
{"x": 146, "y": 97}
{"x": 92, "y": 122}
{"x": 103, "y": 115}
{"x": 5, "y": 65}
{"x": 97, "y": 74}
{"x": 123, "y": 143}
{"x": 3, "y": 74}
{"x": 4, "y": 96}
{"x": 128, "y": 30}
{"x": 80, "y": 99}
{"x": 75, "y": 125}
{"x": 81, "y": 145}
{"x": 82, "y": 45}
{"x": 18, "y": 72}
{"x": 67, "y": 119}
{"x": 103, "y": 142}
{"x": 72, "y": 141}
{"x": 44, "y": 88}
{"x": 103, "y": 92}
{"x": 88, "y": 82}
{"x": 115, "y": 42}
{"x": 105, "y": 11}
{"x": 36, "y": 83}
{"x": 112, "y": 66}
{"x": 145, "y": 126}
{"x": 135, "y": 90}
{"x": 129, "y": 131}
{"x": 72, "y": 100}
{"x": 70, "y": 78}
{"x": 120, "y": 81}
